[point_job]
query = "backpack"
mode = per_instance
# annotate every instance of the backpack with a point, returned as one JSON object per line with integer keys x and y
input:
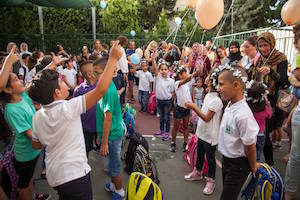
{"x": 129, "y": 122}
{"x": 135, "y": 140}
{"x": 129, "y": 108}
{"x": 142, "y": 187}
{"x": 267, "y": 185}
{"x": 190, "y": 156}
{"x": 7, "y": 168}
{"x": 152, "y": 103}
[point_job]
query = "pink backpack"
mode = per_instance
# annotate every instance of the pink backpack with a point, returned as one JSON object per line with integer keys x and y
{"x": 190, "y": 156}
{"x": 152, "y": 103}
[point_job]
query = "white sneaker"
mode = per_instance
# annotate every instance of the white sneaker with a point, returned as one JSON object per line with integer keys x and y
{"x": 194, "y": 176}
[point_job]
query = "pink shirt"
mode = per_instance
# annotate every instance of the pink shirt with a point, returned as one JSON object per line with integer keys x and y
{"x": 261, "y": 117}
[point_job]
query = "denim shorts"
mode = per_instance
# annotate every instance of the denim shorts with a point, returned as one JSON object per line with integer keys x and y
{"x": 113, "y": 159}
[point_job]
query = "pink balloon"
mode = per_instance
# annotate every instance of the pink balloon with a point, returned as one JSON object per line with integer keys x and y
{"x": 209, "y": 13}
{"x": 139, "y": 51}
{"x": 290, "y": 12}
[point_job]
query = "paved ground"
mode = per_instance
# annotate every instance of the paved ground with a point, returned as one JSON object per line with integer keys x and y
{"x": 171, "y": 167}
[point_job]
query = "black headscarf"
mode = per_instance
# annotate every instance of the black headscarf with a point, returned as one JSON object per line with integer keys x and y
{"x": 235, "y": 57}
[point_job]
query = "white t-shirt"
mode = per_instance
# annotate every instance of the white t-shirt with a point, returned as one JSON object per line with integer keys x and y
{"x": 70, "y": 75}
{"x": 24, "y": 70}
{"x": 164, "y": 87}
{"x": 145, "y": 78}
{"x": 183, "y": 93}
{"x": 209, "y": 131}
{"x": 122, "y": 64}
{"x": 238, "y": 128}
{"x": 58, "y": 127}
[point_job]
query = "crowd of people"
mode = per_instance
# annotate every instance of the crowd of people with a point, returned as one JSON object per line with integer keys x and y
{"x": 68, "y": 105}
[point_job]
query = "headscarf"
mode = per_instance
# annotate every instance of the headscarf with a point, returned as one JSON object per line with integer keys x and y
{"x": 199, "y": 59}
{"x": 272, "y": 61}
{"x": 235, "y": 56}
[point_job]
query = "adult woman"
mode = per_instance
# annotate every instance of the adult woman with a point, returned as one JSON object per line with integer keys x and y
{"x": 220, "y": 58}
{"x": 234, "y": 52}
{"x": 151, "y": 48}
{"x": 198, "y": 59}
{"x": 272, "y": 70}
{"x": 98, "y": 49}
{"x": 85, "y": 53}
{"x": 251, "y": 54}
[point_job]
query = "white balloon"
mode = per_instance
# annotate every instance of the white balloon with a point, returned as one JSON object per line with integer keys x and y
{"x": 178, "y": 21}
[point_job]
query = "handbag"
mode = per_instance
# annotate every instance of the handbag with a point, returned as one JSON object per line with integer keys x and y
{"x": 286, "y": 101}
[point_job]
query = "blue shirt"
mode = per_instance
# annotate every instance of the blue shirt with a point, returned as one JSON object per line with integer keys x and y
{"x": 88, "y": 119}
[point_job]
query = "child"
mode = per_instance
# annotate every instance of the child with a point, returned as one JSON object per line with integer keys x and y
{"x": 258, "y": 103}
{"x": 145, "y": 85}
{"x": 164, "y": 92}
{"x": 183, "y": 95}
{"x": 198, "y": 93}
{"x": 69, "y": 76}
{"x": 207, "y": 132}
{"x": 238, "y": 131}
{"x": 57, "y": 126}
{"x": 110, "y": 131}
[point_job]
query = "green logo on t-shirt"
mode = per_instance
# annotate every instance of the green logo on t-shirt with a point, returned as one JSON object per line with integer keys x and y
{"x": 227, "y": 129}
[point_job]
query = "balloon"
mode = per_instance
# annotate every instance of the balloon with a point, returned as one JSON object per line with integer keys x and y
{"x": 103, "y": 4}
{"x": 139, "y": 51}
{"x": 132, "y": 33}
{"x": 290, "y": 12}
{"x": 209, "y": 13}
{"x": 193, "y": 4}
{"x": 178, "y": 21}
{"x": 135, "y": 58}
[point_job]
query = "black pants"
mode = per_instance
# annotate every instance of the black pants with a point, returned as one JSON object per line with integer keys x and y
{"x": 235, "y": 172}
{"x": 202, "y": 149}
{"x": 79, "y": 189}
{"x": 268, "y": 150}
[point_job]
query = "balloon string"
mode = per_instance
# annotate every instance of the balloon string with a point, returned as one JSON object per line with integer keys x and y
{"x": 221, "y": 27}
{"x": 204, "y": 31}
{"x": 185, "y": 14}
{"x": 175, "y": 35}
{"x": 186, "y": 41}
{"x": 177, "y": 27}
{"x": 192, "y": 34}
{"x": 170, "y": 34}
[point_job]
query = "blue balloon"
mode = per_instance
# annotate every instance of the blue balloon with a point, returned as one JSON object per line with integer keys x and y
{"x": 132, "y": 33}
{"x": 178, "y": 21}
{"x": 103, "y": 4}
{"x": 135, "y": 58}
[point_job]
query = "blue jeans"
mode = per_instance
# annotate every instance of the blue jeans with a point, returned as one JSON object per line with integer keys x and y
{"x": 113, "y": 160}
{"x": 260, "y": 143}
{"x": 143, "y": 100}
{"x": 163, "y": 107}
{"x": 292, "y": 173}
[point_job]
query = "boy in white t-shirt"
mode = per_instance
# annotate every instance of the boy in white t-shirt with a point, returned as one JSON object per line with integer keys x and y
{"x": 238, "y": 131}
{"x": 69, "y": 76}
{"x": 57, "y": 126}
{"x": 145, "y": 85}
{"x": 207, "y": 132}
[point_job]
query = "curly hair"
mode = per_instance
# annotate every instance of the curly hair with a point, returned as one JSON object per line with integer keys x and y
{"x": 296, "y": 30}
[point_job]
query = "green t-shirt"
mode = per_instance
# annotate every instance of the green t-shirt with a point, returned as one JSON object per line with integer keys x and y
{"x": 19, "y": 116}
{"x": 110, "y": 102}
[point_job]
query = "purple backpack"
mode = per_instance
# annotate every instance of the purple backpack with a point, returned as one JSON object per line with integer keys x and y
{"x": 7, "y": 162}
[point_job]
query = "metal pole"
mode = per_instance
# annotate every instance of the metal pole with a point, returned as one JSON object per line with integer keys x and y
{"x": 40, "y": 11}
{"x": 94, "y": 22}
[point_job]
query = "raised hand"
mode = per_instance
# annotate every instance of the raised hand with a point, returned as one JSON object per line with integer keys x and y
{"x": 58, "y": 59}
{"x": 12, "y": 56}
{"x": 115, "y": 52}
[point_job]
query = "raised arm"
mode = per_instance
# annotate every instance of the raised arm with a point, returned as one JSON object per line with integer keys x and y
{"x": 154, "y": 56}
{"x": 7, "y": 67}
{"x": 205, "y": 117}
{"x": 105, "y": 79}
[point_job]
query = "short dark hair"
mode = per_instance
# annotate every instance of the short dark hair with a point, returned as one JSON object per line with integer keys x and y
{"x": 43, "y": 85}
{"x": 230, "y": 73}
{"x": 46, "y": 61}
{"x": 252, "y": 40}
{"x": 94, "y": 56}
{"x": 101, "y": 62}
{"x": 82, "y": 65}
{"x": 122, "y": 40}
{"x": 296, "y": 30}
{"x": 25, "y": 55}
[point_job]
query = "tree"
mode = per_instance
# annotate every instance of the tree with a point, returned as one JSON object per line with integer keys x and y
{"x": 162, "y": 26}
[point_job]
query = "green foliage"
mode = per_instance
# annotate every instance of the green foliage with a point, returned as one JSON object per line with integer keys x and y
{"x": 162, "y": 26}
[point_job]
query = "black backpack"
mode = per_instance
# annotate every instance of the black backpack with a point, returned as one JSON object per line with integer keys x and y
{"x": 135, "y": 140}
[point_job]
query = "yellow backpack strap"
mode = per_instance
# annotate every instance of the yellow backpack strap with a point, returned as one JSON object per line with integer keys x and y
{"x": 266, "y": 191}
{"x": 144, "y": 188}
{"x": 132, "y": 183}
{"x": 267, "y": 167}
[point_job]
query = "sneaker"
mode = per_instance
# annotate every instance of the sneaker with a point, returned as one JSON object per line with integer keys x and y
{"x": 116, "y": 196}
{"x": 184, "y": 147}
{"x": 109, "y": 188}
{"x": 166, "y": 136}
{"x": 193, "y": 176}
{"x": 210, "y": 186}
{"x": 158, "y": 134}
{"x": 41, "y": 196}
{"x": 173, "y": 147}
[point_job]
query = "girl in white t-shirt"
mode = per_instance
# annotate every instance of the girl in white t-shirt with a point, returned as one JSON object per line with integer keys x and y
{"x": 207, "y": 132}
{"x": 164, "y": 92}
{"x": 183, "y": 95}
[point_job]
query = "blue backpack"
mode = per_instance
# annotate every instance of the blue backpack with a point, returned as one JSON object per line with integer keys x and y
{"x": 267, "y": 185}
{"x": 129, "y": 122}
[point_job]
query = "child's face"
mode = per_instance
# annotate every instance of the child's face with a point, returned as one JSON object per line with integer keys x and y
{"x": 164, "y": 71}
{"x": 69, "y": 64}
{"x": 144, "y": 67}
{"x": 297, "y": 74}
{"x": 199, "y": 83}
{"x": 16, "y": 84}
{"x": 227, "y": 88}
{"x": 98, "y": 71}
{"x": 182, "y": 75}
